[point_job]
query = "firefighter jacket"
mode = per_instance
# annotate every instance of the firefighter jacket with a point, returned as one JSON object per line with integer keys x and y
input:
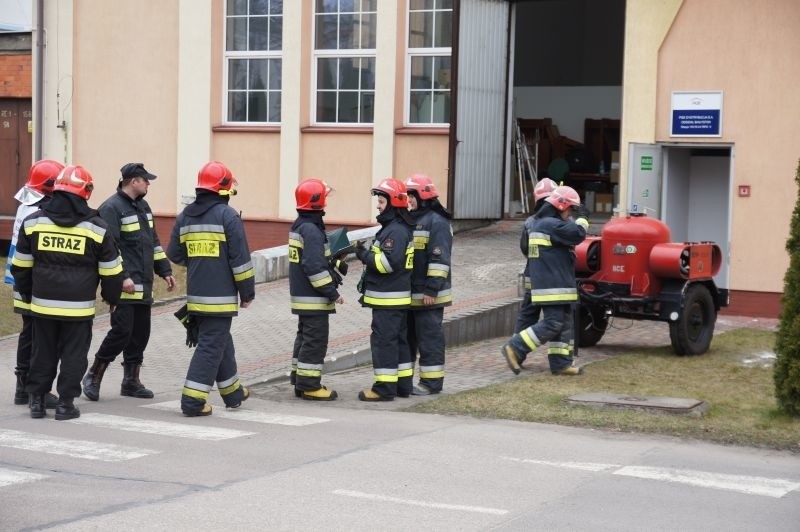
{"x": 433, "y": 243}
{"x": 551, "y": 259}
{"x": 63, "y": 251}
{"x": 312, "y": 283}
{"x": 209, "y": 239}
{"x": 131, "y": 223}
{"x": 30, "y": 201}
{"x": 388, "y": 264}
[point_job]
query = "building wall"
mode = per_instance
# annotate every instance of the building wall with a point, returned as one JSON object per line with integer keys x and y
{"x": 15, "y": 76}
{"x": 759, "y": 75}
{"x": 125, "y": 93}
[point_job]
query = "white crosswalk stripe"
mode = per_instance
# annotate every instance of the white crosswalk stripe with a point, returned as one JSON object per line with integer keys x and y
{"x": 247, "y": 415}
{"x": 88, "y": 450}
{"x": 162, "y": 428}
{"x": 9, "y": 477}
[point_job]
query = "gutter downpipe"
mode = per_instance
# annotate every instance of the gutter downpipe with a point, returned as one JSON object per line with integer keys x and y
{"x": 39, "y": 89}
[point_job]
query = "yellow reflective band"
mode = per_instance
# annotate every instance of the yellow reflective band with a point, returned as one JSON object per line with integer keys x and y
{"x": 530, "y": 342}
{"x": 61, "y": 311}
{"x": 244, "y": 275}
{"x": 22, "y": 305}
{"x": 539, "y": 242}
{"x": 405, "y": 372}
{"x": 150, "y": 223}
{"x": 129, "y": 228}
{"x": 308, "y": 372}
{"x": 196, "y": 394}
{"x": 295, "y": 243}
{"x": 322, "y": 282}
{"x": 159, "y": 255}
{"x": 431, "y": 374}
{"x": 378, "y": 263}
{"x": 137, "y": 295}
{"x": 16, "y": 261}
{"x": 227, "y": 390}
{"x": 106, "y": 272}
{"x": 583, "y": 222}
{"x": 437, "y": 273}
{"x": 388, "y": 301}
{"x": 314, "y": 306}
{"x": 558, "y": 351}
{"x": 420, "y": 242}
{"x": 56, "y": 229}
{"x": 203, "y": 236}
{"x": 200, "y": 307}
{"x": 553, "y": 297}
{"x": 386, "y": 378}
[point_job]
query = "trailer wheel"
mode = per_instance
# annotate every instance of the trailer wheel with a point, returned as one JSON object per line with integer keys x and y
{"x": 691, "y": 334}
{"x": 592, "y": 323}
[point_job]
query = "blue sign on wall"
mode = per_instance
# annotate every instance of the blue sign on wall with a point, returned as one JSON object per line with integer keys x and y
{"x": 696, "y": 114}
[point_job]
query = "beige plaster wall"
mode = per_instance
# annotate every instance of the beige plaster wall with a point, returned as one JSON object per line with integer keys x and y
{"x": 750, "y": 51}
{"x": 254, "y": 159}
{"x": 125, "y": 93}
{"x": 423, "y": 154}
{"x": 646, "y": 24}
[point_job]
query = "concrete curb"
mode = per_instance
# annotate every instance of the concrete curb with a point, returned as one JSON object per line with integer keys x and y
{"x": 489, "y": 321}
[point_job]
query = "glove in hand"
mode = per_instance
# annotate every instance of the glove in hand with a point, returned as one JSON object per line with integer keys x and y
{"x": 362, "y": 251}
{"x": 190, "y": 324}
{"x": 581, "y": 211}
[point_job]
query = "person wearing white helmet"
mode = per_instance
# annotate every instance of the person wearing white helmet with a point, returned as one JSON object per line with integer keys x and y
{"x": 551, "y": 265}
{"x": 528, "y": 312}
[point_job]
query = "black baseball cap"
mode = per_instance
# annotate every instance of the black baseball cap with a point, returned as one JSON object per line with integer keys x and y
{"x": 132, "y": 170}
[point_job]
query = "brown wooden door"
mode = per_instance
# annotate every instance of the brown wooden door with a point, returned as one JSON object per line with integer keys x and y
{"x": 15, "y": 150}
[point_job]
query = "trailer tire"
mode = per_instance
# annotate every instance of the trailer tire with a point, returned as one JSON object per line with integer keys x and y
{"x": 592, "y": 324}
{"x": 691, "y": 334}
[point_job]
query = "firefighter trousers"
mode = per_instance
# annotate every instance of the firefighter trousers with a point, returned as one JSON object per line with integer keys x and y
{"x": 425, "y": 334}
{"x": 556, "y": 328}
{"x": 214, "y": 359}
{"x": 24, "y": 346}
{"x": 528, "y": 316}
{"x": 54, "y": 341}
{"x": 310, "y": 346}
{"x": 129, "y": 334}
{"x": 391, "y": 359}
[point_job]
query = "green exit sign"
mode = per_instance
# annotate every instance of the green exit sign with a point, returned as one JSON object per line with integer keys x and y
{"x": 647, "y": 163}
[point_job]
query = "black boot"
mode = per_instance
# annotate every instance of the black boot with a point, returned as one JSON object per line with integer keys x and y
{"x": 131, "y": 385}
{"x": 37, "y": 406}
{"x": 91, "y": 382}
{"x": 20, "y": 395}
{"x": 66, "y": 410}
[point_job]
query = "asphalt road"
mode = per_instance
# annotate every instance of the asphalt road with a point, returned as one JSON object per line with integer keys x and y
{"x": 129, "y": 464}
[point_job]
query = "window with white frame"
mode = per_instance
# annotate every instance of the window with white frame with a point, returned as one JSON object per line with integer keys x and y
{"x": 430, "y": 37}
{"x": 344, "y": 61}
{"x": 253, "y": 54}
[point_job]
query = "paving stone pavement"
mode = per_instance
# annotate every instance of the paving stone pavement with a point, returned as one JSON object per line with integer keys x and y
{"x": 485, "y": 265}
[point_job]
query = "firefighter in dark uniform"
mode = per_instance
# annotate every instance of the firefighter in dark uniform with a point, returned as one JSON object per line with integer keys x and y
{"x": 64, "y": 250}
{"x": 32, "y": 197}
{"x": 529, "y": 312}
{"x": 386, "y": 288}
{"x": 551, "y": 265}
{"x": 209, "y": 239}
{"x": 312, "y": 288}
{"x": 430, "y": 282}
{"x": 130, "y": 220}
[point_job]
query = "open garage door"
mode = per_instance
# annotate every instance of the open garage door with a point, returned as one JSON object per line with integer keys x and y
{"x": 481, "y": 98}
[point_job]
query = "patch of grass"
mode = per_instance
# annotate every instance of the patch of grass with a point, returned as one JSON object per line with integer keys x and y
{"x": 741, "y": 397}
{"x": 11, "y": 323}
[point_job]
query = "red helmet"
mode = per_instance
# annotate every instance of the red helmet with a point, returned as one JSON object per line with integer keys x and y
{"x": 310, "y": 194}
{"x": 394, "y": 190}
{"x": 75, "y": 180}
{"x": 216, "y": 177}
{"x": 563, "y": 198}
{"x": 544, "y": 188}
{"x": 422, "y": 186}
{"x": 42, "y": 175}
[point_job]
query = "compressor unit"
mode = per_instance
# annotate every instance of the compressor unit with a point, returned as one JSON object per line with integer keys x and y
{"x": 632, "y": 270}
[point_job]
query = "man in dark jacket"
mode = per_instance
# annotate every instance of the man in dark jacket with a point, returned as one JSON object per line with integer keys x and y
{"x": 551, "y": 266}
{"x": 312, "y": 288}
{"x": 387, "y": 290}
{"x": 430, "y": 282}
{"x": 209, "y": 239}
{"x": 64, "y": 250}
{"x": 130, "y": 221}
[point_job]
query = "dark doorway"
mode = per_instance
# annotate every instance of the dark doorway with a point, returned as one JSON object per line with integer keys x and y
{"x": 15, "y": 150}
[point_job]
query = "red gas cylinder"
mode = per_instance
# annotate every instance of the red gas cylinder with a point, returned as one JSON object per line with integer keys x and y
{"x": 625, "y": 253}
